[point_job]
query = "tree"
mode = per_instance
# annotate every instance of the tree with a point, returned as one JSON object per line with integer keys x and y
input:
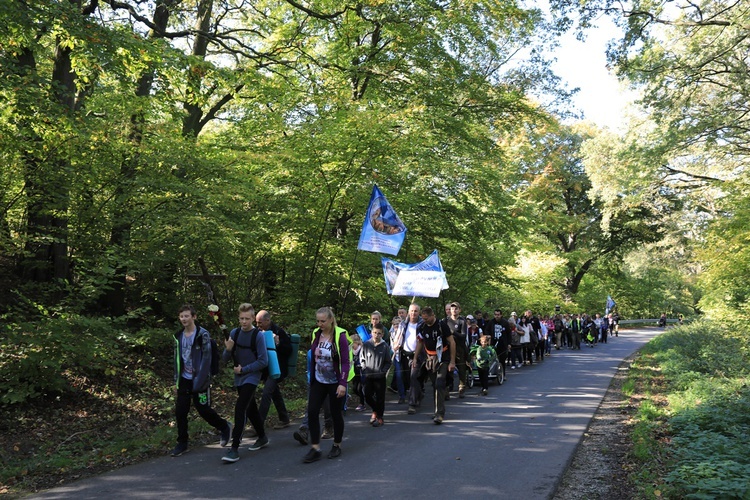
{"x": 556, "y": 186}
{"x": 690, "y": 150}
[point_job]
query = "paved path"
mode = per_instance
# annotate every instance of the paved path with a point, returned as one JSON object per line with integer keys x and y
{"x": 514, "y": 443}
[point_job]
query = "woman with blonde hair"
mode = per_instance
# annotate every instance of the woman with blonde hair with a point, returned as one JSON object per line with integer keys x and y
{"x": 331, "y": 368}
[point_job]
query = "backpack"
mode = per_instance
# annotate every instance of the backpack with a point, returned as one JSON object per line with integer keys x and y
{"x": 215, "y": 356}
{"x": 253, "y": 346}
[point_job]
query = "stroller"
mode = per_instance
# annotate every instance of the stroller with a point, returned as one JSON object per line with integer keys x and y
{"x": 496, "y": 372}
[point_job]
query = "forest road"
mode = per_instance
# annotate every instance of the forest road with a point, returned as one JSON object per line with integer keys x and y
{"x": 514, "y": 443}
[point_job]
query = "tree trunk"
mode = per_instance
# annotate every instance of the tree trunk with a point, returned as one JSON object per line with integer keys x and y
{"x": 114, "y": 299}
{"x": 47, "y": 186}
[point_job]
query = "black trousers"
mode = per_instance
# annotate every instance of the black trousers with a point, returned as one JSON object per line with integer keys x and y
{"x": 246, "y": 409}
{"x": 202, "y": 402}
{"x": 375, "y": 394}
{"x": 317, "y": 396}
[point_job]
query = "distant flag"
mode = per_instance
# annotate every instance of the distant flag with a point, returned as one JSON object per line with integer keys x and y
{"x": 382, "y": 230}
{"x": 610, "y": 304}
{"x": 423, "y": 279}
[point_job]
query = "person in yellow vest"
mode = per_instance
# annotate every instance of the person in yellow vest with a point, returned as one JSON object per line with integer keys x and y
{"x": 331, "y": 368}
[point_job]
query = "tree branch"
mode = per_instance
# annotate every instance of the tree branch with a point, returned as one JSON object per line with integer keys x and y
{"x": 690, "y": 174}
{"x": 316, "y": 15}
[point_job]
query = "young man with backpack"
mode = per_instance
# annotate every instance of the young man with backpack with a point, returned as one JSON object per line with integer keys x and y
{"x": 247, "y": 349}
{"x": 192, "y": 374}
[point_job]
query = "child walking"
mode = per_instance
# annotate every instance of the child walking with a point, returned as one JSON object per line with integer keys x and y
{"x": 246, "y": 346}
{"x": 375, "y": 359}
{"x": 357, "y": 382}
{"x": 485, "y": 356}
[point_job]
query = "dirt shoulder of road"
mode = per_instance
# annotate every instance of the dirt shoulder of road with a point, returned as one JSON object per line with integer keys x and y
{"x": 600, "y": 466}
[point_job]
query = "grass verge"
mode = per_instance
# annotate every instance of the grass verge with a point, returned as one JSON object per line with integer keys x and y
{"x": 691, "y": 388}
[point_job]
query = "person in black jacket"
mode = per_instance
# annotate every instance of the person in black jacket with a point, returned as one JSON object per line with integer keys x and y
{"x": 375, "y": 359}
{"x": 271, "y": 387}
{"x": 499, "y": 329}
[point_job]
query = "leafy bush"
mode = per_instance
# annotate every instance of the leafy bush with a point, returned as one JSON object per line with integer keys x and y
{"x": 56, "y": 355}
{"x": 707, "y": 366}
{"x": 702, "y": 348}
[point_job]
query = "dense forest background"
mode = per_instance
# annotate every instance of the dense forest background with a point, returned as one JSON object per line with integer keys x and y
{"x": 137, "y": 137}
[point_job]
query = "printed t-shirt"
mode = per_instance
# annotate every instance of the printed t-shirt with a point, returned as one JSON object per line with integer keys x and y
{"x": 325, "y": 373}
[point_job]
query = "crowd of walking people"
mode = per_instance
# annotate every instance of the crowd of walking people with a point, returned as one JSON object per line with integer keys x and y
{"x": 421, "y": 353}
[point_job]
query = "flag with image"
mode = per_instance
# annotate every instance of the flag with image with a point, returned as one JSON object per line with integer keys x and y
{"x": 382, "y": 230}
{"x": 423, "y": 279}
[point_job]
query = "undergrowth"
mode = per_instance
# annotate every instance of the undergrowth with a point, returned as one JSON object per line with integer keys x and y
{"x": 690, "y": 432}
{"x": 85, "y": 395}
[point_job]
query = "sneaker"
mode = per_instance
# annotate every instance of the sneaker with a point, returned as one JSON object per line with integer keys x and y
{"x": 312, "y": 456}
{"x": 484, "y": 392}
{"x": 179, "y": 449}
{"x": 301, "y": 436}
{"x": 226, "y": 434}
{"x": 282, "y": 425}
{"x": 438, "y": 419}
{"x": 335, "y": 451}
{"x": 373, "y": 418}
{"x": 232, "y": 456}
{"x": 512, "y": 367}
{"x": 412, "y": 410}
{"x": 378, "y": 422}
{"x": 401, "y": 401}
{"x": 259, "y": 443}
{"x": 360, "y": 408}
{"x": 461, "y": 394}
{"x": 327, "y": 434}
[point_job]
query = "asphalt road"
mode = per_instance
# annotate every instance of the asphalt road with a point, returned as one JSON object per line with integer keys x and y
{"x": 514, "y": 443}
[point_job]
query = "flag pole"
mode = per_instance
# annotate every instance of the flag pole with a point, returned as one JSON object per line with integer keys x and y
{"x": 348, "y": 287}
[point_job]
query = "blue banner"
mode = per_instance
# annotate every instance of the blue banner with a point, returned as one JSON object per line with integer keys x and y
{"x": 382, "y": 230}
{"x": 610, "y": 304}
{"x": 423, "y": 279}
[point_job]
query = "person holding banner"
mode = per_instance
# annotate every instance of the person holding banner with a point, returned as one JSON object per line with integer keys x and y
{"x": 435, "y": 339}
{"x": 404, "y": 343}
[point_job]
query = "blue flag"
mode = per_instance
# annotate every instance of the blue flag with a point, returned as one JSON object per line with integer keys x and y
{"x": 382, "y": 230}
{"x": 610, "y": 304}
{"x": 423, "y": 279}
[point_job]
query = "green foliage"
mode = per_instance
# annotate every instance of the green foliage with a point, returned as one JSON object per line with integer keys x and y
{"x": 54, "y": 356}
{"x": 707, "y": 366}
